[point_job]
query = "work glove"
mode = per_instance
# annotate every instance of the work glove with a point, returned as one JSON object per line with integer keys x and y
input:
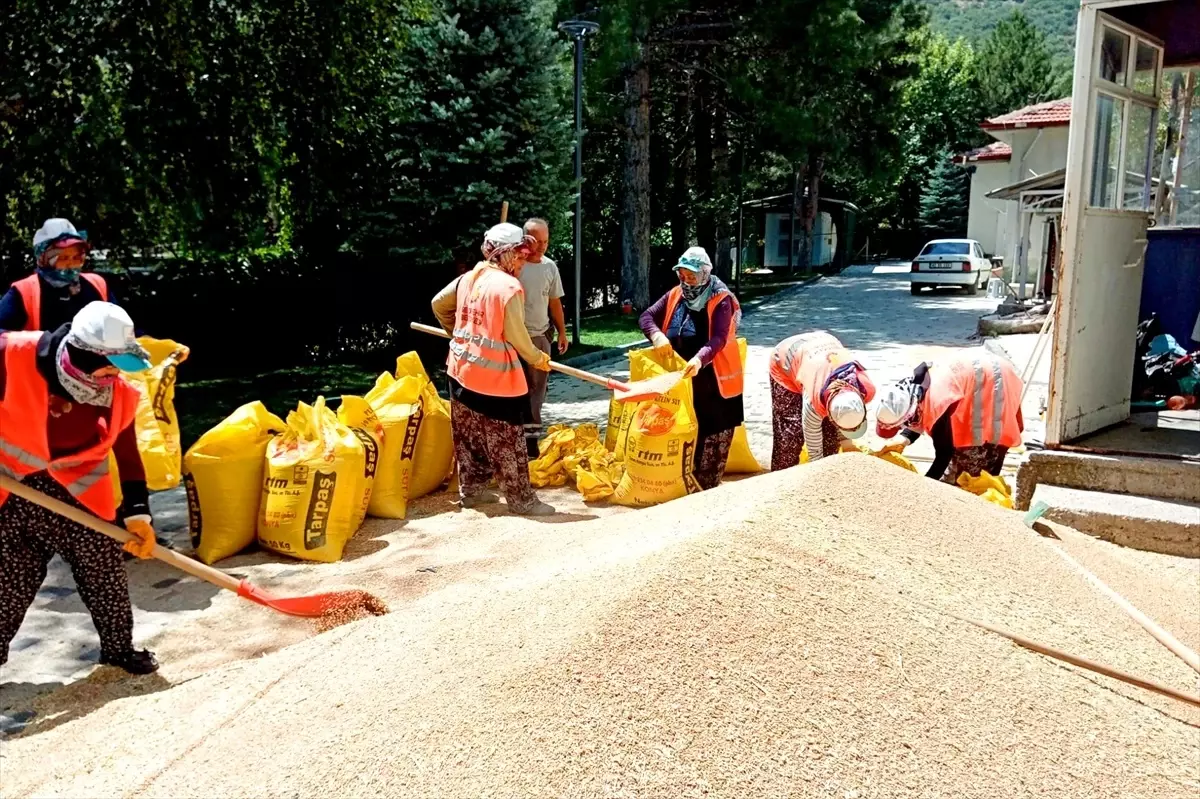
{"x": 692, "y": 368}
{"x": 543, "y": 363}
{"x": 661, "y": 344}
{"x": 143, "y": 542}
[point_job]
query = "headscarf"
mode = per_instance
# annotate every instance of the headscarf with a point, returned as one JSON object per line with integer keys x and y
{"x": 503, "y": 243}
{"x": 74, "y": 367}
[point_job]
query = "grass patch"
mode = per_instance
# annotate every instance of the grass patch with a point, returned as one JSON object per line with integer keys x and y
{"x": 610, "y": 328}
{"x": 203, "y": 403}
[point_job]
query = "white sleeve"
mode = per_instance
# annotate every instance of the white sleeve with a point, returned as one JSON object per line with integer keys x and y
{"x": 814, "y": 442}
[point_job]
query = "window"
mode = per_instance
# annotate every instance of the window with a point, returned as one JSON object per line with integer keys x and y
{"x": 1106, "y": 151}
{"x": 947, "y": 248}
{"x": 1145, "y": 75}
{"x": 1139, "y": 146}
{"x": 1114, "y": 49}
{"x": 978, "y": 251}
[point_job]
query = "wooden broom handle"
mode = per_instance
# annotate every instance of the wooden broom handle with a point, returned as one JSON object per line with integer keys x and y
{"x": 92, "y": 522}
{"x": 570, "y": 371}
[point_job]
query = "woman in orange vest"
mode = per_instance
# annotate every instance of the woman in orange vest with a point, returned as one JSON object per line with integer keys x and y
{"x": 698, "y": 319}
{"x": 64, "y": 409}
{"x": 59, "y": 288}
{"x": 484, "y": 313}
{"x": 818, "y": 398}
{"x": 969, "y": 404}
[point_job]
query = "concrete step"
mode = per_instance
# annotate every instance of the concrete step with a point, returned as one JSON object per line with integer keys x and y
{"x": 1161, "y": 478}
{"x": 1171, "y": 527}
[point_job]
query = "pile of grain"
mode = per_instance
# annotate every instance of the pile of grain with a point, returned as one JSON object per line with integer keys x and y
{"x": 763, "y": 639}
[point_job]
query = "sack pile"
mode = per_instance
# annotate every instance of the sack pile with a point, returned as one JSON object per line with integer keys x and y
{"x": 576, "y": 455}
{"x": 304, "y": 487}
{"x": 993, "y": 488}
{"x": 156, "y": 422}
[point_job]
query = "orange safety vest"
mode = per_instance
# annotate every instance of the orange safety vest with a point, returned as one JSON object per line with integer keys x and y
{"x": 987, "y": 389}
{"x": 803, "y": 364}
{"x": 30, "y": 289}
{"x": 480, "y": 359}
{"x": 24, "y": 446}
{"x": 728, "y": 360}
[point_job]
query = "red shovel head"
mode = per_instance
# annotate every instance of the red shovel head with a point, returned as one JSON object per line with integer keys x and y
{"x": 350, "y": 604}
{"x": 646, "y": 389}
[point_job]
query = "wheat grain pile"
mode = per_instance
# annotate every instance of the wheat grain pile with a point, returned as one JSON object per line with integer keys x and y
{"x": 769, "y": 638}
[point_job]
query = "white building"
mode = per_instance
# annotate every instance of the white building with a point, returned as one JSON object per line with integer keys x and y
{"x": 1011, "y": 179}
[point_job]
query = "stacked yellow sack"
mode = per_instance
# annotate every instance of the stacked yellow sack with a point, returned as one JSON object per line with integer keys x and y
{"x": 578, "y": 455}
{"x": 659, "y": 451}
{"x": 356, "y": 413}
{"x": 223, "y": 475}
{"x": 313, "y": 492}
{"x": 418, "y": 449}
{"x": 994, "y": 489}
{"x": 156, "y": 423}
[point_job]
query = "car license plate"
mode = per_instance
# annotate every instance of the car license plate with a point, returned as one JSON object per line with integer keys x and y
{"x": 941, "y": 267}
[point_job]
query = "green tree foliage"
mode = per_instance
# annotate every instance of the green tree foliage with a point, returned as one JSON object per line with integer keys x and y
{"x": 1015, "y": 67}
{"x": 489, "y": 121}
{"x": 975, "y": 19}
{"x": 944, "y": 204}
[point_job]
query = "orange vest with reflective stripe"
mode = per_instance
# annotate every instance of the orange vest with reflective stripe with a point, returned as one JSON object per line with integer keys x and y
{"x": 480, "y": 359}
{"x": 803, "y": 364}
{"x": 24, "y": 445}
{"x": 30, "y": 289}
{"x": 728, "y": 361}
{"x": 987, "y": 389}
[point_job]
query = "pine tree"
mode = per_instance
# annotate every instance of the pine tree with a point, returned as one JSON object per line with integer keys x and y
{"x": 1015, "y": 67}
{"x": 944, "y": 204}
{"x": 488, "y": 120}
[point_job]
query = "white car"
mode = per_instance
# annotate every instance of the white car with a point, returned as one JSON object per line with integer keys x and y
{"x": 950, "y": 262}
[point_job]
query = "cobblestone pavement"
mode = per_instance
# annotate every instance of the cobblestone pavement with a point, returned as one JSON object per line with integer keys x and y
{"x": 869, "y": 309}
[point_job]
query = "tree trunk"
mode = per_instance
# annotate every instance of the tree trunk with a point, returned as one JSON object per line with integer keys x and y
{"x": 635, "y": 216}
{"x": 706, "y": 223}
{"x": 681, "y": 169}
{"x": 813, "y": 172}
{"x": 722, "y": 262}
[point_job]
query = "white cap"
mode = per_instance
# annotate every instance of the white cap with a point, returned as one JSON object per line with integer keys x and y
{"x": 694, "y": 259}
{"x": 105, "y": 329}
{"x": 895, "y": 408}
{"x": 55, "y": 229}
{"x": 848, "y": 412}
{"x": 504, "y": 234}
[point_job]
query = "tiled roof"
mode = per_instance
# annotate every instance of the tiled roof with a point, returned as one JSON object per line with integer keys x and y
{"x": 996, "y": 151}
{"x": 1042, "y": 115}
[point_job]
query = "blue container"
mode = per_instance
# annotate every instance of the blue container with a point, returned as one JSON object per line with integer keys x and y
{"x": 1171, "y": 281}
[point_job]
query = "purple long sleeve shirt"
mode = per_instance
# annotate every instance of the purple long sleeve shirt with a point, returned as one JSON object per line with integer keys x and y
{"x": 653, "y": 321}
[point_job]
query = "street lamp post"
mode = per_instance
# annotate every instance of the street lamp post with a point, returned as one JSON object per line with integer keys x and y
{"x": 578, "y": 29}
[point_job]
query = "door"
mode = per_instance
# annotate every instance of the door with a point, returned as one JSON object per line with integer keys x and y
{"x": 1105, "y": 216}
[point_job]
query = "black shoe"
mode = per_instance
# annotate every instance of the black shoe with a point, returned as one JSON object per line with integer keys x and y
{"x": 135, "y": 661}
{"x": 531, "y": 446}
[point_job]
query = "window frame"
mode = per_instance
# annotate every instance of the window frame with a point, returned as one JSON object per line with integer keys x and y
{"x": 1130, "y": 97}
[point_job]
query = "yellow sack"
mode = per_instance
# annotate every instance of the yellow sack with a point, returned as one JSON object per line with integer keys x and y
{"x": 357, "y": 414}
{"x": 223, "y": 476}
{"x": 620, "y": 415}
{"x": 548, "y": 468}
{"x": 418, "y": 448}
{"x": 115, "y": 476}
{"x": 896, "y": 458}
{"x": 660, "y": 451}
{"x": 313, "y": 487}
{"x": 156, "y": 423}
{"x": 597, "y": 472}
{"x": 992, "y": 488}
{"x": 646, "y": 363}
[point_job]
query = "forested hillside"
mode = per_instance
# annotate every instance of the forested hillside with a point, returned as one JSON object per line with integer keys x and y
{"x": 974, "y": 19}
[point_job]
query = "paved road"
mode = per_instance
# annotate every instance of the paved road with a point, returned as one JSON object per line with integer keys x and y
{"x": 869, "y": 309}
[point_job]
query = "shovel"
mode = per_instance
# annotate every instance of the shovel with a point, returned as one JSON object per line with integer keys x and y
{"x": 335, "y": 603}
{"x": 635, "y": 391}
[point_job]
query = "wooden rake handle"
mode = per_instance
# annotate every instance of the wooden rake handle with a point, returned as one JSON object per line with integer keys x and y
{"x": 570, "y": 371}
{"x": 167, "y": 556}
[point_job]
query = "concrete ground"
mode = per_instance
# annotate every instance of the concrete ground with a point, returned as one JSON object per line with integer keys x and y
{"x": 869, "y": 308}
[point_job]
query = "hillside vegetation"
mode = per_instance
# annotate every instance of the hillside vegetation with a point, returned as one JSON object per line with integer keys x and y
{"x": 974, "y": 19}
